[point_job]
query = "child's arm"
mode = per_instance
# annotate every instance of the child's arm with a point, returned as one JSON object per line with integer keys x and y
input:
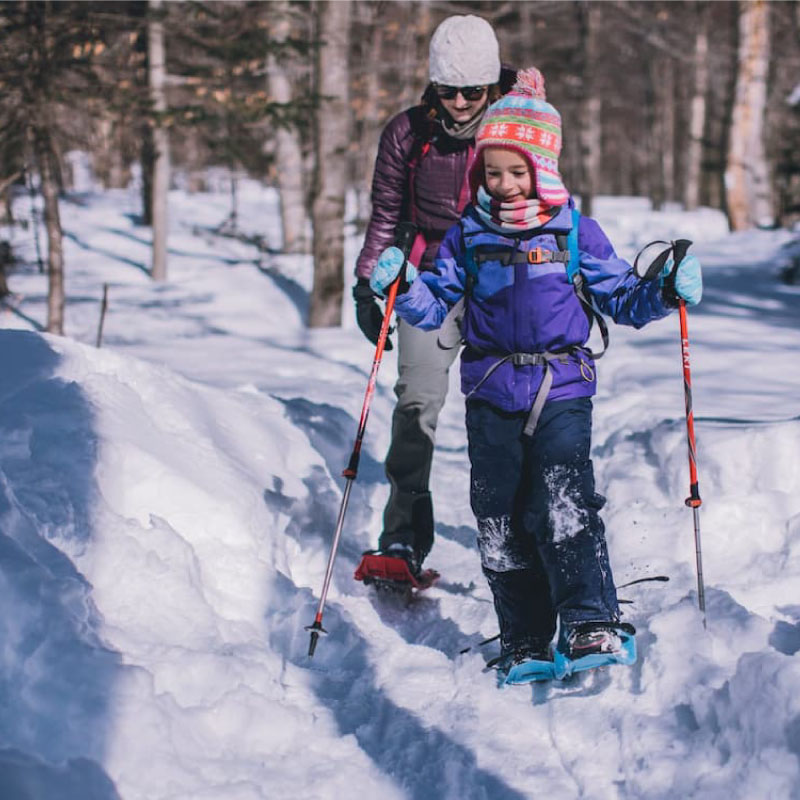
{"x": 611, "y": 283}
{"x": 435, "y": 292}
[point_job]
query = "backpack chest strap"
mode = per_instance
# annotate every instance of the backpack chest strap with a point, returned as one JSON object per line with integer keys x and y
{"x": 507, "y": 256}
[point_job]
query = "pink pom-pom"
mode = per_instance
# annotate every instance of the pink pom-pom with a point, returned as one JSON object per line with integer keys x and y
{"x": 530, "y": 82}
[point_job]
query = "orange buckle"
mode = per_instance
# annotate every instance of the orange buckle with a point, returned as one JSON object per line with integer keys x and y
{"x": 537, "y": 255}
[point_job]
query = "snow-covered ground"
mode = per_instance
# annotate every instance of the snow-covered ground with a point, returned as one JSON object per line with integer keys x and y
{"x": 167, "y": 504}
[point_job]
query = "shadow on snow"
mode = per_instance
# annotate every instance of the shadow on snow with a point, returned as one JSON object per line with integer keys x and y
{"x": 422, "y": 760}
{"x": 57, "y": 676}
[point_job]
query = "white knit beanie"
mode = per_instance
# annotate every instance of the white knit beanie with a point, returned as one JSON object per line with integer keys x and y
{"x": 464, "y": 52}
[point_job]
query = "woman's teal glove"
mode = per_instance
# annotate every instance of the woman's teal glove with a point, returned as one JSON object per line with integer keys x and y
{"x": 390, "y": 262}
{"x": 687, "y": 282}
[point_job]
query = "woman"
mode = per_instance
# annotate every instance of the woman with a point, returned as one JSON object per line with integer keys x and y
{"x": 420, "y": 176}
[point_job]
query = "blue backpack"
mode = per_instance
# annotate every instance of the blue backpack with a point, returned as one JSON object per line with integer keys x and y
{"x": 574, "y": 263}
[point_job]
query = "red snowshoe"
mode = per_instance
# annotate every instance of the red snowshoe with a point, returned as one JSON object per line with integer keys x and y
{"x": 393, "y": 573}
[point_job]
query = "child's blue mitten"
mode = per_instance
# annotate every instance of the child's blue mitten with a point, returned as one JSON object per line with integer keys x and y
{"x": 688, "y": 279}
{"x": 390, "y": 262}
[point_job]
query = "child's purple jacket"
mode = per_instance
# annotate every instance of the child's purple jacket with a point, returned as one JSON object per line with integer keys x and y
{"x": 528, "y": 308}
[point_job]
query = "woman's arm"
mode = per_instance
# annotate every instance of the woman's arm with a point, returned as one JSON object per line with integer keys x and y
{"x": 389, "y": 191}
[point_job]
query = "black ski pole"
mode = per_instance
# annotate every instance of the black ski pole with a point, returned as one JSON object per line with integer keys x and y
{"x": 404, "y": 239}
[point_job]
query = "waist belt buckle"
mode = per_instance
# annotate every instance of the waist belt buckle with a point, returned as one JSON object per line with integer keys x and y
{"x": 537, "y": 255}
{"x": 527, "y": 360}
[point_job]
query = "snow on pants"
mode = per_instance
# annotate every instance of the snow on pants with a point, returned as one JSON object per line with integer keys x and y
{"x": 421, "y": 391}
{"x": 540, "y": 535}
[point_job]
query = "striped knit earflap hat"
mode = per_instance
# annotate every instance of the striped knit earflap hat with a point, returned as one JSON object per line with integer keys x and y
{"x": 524, "y": 121}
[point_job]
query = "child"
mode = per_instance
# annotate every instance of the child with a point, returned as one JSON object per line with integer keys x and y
{"x": 528, "y": 378}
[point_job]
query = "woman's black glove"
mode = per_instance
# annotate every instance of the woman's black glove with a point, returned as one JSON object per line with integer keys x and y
{"x": 368, "y": 313}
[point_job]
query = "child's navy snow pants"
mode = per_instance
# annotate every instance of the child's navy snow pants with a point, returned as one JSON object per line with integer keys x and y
{"x": 542, "y": 542}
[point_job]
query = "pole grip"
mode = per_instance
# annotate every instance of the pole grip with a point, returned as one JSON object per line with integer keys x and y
{"x": 679, "y": 249}
{"x": 404, "y": 235}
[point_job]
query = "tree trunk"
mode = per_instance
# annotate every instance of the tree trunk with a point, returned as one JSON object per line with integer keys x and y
{"x": 147, "y": 156}
{"x": 423, "y": 27}
{"x": 6, "y": 186}
{"x": 524, "y": 39}
{"x": 697, "y": 114}
{"x": 288, "y": 151}
{"x": 407, "y": 58}
{"x": 145, "y": 132}
{"x": 591, "y": 131}
{"x": 667, "y": 102}
{"x": 6, "y": 259}
{"x": 107, "y": 160}
{"x": 41, "y": 144}
{"x": 365, "y": 158}
{"x": 331, "y": 142}
{"x": 652, "y": 174}
{"x": 55, "y": 254}
{"x": 160, "y": 188}
{"x": 196, "y": 174}
{"x": 746, "y": 175}
{"x": 661, "y": 152}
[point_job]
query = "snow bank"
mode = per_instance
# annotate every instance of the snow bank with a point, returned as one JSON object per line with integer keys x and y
{"x": 146, "y": 518}
{"x": 167, "y": 504}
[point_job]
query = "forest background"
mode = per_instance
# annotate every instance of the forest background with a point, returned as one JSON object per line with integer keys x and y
{"x": 696, "y": 103}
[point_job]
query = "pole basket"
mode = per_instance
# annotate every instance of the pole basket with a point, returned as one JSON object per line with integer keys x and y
{"x": 316, "y": 631}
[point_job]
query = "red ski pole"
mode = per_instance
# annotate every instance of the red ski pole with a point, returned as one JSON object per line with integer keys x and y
{"x": 693, "y": 501}
{"x": 404, "y": 238}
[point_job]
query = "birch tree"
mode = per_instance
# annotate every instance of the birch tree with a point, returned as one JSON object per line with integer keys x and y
{"x": 39, "y": 98}
{"x": 330, "y": 145}
{"x": 662, "y": 147}
{"x": 288, "y": 149}
{"x": 368, "y": 107}
{"x": 160, "y": 188}
{"x": 697, "y": 112}
{"x": 591, "y": 131}
{"x": 43, "y": 152}
{"x": 746, "y": 174}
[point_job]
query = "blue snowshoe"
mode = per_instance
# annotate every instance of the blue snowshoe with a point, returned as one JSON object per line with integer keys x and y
{"x": 594, "y": 644}
{"x": 584, "y": 647}
{"x": 524, "y": 665}
{"x": 532, "y": 669}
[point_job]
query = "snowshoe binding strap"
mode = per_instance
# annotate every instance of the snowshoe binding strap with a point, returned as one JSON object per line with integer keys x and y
{"x": 392, "y": 572}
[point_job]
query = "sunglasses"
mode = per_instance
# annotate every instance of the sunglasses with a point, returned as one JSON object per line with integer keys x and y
{"x": 467, "y": 92}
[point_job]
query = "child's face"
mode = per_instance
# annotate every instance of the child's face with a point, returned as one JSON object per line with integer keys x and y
{"x": 507, "y": 174}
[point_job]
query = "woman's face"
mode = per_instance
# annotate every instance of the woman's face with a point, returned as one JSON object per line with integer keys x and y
{"x": 507, "y": 174}
{"x": 460, "y": 108}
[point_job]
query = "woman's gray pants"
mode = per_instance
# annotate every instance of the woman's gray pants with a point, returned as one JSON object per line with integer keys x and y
{"x": 421, "y": 390}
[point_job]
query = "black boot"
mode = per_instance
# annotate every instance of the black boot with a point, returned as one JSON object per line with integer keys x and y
{"x": 591, "y": 638}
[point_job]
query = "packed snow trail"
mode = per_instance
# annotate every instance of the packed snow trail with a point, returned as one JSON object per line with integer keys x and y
{"x": 166, "y": 509}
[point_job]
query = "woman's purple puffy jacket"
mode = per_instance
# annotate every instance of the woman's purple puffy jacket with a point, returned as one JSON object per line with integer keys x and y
{"x": 438, "y": 181}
